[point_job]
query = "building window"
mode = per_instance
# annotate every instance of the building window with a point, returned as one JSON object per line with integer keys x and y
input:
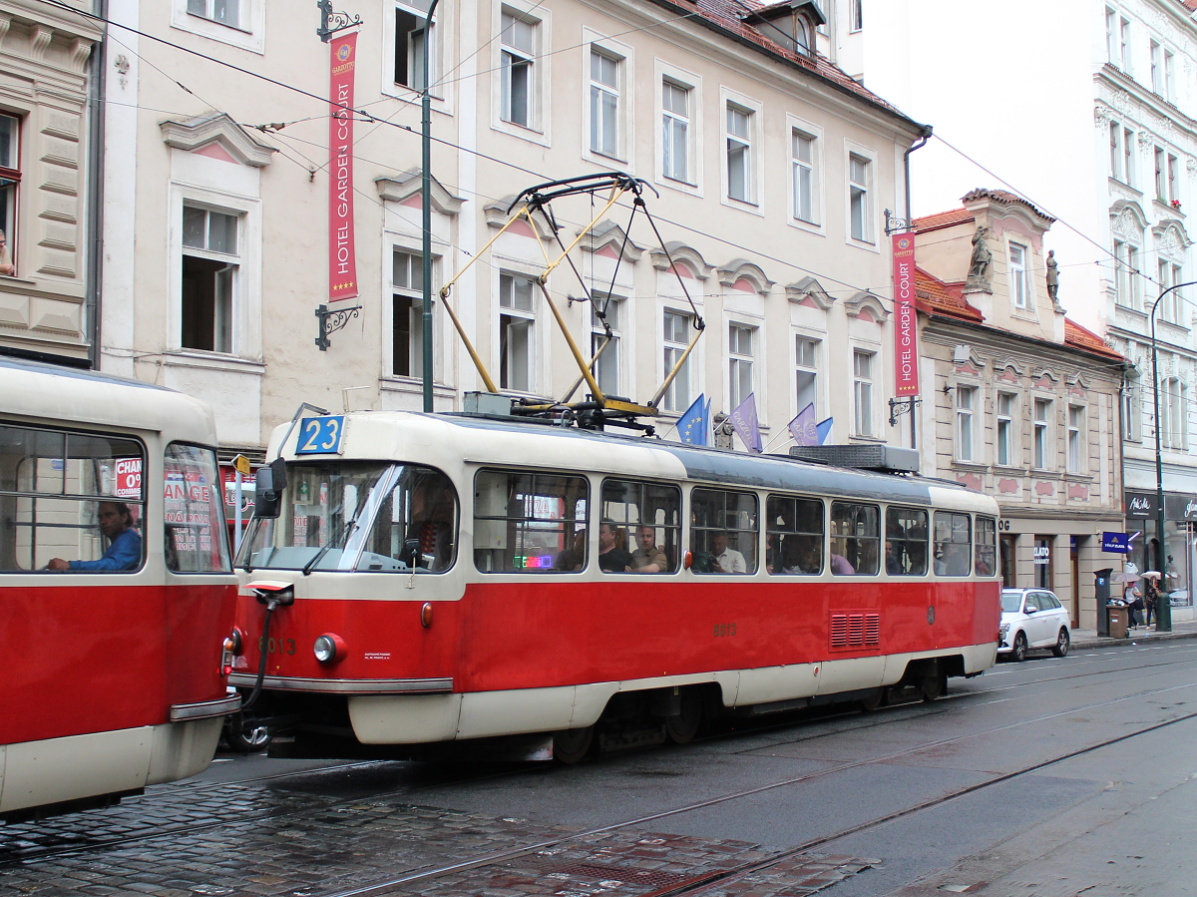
{"x": 1122, "y": 144}
{"x": 676, "y": 338}
{"x": 803, "y": 166}
{"x": 211, "y": 259}
{"x": 739, "y": 153}
{"x": 1169, "y": 275}
{"x": 855, "y": 15}
{"x": 806, "y": 373}
{"x": 1169, "y": 68}
{"x": 1042, "y": 433}
{"x": 862, "y": 391}
{"x": 1005, "y": 429}
{"x": 739, "y": 365}
{"x": 411, "y": 42}
{"x": 1128, "y": 157}
{"x": 407, "y": 314}
{"x": 518, "y": 85}
{"x": 10, "y": 182}
{"x": 517, "y": 326}
{"x": 965, "y": 399}
{"x": 675, "y": 122}
{"x": 1076, "y": 434}
{"x": 1126, "y": 284}
{"x": 1172, "y": 435}
{"x": 1131, "y": 425}
{"x": 1160, "y": 168}
{"x": 606, "y": 368}
{"x": 858, "y": 197}
{"x": 604, "y": 103}
{"x": 1115, "y": 151}
{"x": 1111, "y": 36}
{"x": 1124, "y": 44}
{"x": 1019, "y": 287}
{"x": 226, "y": 12}
{"x": 1171, "y": 178}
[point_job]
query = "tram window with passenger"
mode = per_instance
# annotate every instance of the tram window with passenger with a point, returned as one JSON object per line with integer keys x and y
{"x": 724, "y": 525}
{"x": 794, "y": 530}
{"x": 649, "y": 517}
{"x": 953, "y": 544}
{"x": 905, "y": 542}
{"x": 529, "y": 522}
{"x": 70, "y": 501}
{"x": 986, "y": 558}
{"x": 855, "y": 539}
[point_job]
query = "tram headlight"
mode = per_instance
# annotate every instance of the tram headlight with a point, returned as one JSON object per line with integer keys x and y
{"x": 329, "y": 648}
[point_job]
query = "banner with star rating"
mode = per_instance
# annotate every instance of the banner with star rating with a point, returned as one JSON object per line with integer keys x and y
{"x": 342, "y": 263}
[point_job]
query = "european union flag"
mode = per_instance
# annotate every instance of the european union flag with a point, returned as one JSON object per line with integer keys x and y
{"x": 824, "y": 429}
{"x": 694, "y": 426}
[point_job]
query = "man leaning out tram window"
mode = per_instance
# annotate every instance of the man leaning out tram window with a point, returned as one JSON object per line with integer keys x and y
{"x": 124, "y": 546}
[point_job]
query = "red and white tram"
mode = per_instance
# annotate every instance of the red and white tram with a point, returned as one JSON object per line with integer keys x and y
{"x": 117, "y": 584}
{"x": 422, "y": 579}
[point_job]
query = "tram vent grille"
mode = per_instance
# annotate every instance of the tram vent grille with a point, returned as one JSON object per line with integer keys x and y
{"x": 855, "y": 629}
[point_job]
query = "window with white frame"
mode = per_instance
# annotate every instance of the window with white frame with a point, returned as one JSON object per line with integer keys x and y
{"x": 855, "y": 15}
{"x": 676, "y": 339}
{"x": 1076, "y": 439}
{"x": 1131, "y": 423}
{"x": 1122, "y": 145}
{"x": 862, "y": 391}
{"x": 226, "y": 12}
{"x": 966, "y": 398}
{"x": 517, "y": 75}
{"x": 606, "y": 368}
{"x": 739, "y": 153}
{"x": 605, "y": 73}
{"x": 1020, "y": 291}
{"x": 1042, "y": 438}
{"x": 1172, "y": 409}
{"x": 859, "y": 172}
{"x": 1157, "y": 68}
{"x": 412, "y": 42}
{"x": 10, "y": 183}
{"x": 1161, "y": 191}
{"x": 1004, "y": 445}
{"x": 675, "y": 124}
{"x": 1124, "y": 43}
{"x": 211, "y": 260}
{"x": 1128, "y": 157}
{"x": 1171, "y": 179}
{"x": 1169, "y": 83}
{"x": 517, "y": 330}
{"x": 1169, "y": 275}
{"x": 407, "y": 314}
{"x": 1126, "y": 275}
{"x": 806, "y": 372}
{"x": 1115, "y": 150}
{"x": 803, "y": 164}
{"x": 1111, "y": 36}
{"x": 740, "y": 340}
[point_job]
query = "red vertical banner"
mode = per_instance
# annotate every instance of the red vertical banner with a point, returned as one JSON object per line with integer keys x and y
{"x": 342, "y": 263}
{"x": 906, "y": 349}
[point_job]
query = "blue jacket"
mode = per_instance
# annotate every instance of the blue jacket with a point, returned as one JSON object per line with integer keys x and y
{"x": 123, "y": 554}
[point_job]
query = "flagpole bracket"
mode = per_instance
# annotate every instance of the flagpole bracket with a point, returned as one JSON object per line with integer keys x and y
{"x": 331, "y": 321}
{"x": 900, "y": 406}
{"x": 893, "y": 223}
{"x": 332, "y": 22}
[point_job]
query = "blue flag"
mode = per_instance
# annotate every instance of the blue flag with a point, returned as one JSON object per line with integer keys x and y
{"x": 824, "y": 429}
{"x": 803, "y": 428}
{"x": 694, "y": 426}
{"x": 743, "y": 419}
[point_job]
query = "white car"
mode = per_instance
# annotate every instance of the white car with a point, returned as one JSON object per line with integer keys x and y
{"x": 1032, "y": 618}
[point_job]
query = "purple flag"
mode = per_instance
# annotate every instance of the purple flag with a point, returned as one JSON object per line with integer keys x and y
{"x": 802, "y": 427}
{"x": 743, "y": 419}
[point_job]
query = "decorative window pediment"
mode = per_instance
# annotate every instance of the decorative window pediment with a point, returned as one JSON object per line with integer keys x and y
{"x": 809, "y": 289}
{"x": 865, "y": 303}
{"x": 498, "y": 213}
{"x": 403, "y": 187}
{"x": 743, "y": 270}
{"x": 219, "y": 129}
{"x": 609, "y": 238}
{"x": 681, "y": 254}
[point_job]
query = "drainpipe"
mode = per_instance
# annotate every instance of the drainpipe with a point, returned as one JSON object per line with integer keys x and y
{"x": 95, "y": 189}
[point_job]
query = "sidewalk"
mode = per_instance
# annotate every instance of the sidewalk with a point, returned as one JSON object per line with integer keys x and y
{"x": 1088, "y": 638}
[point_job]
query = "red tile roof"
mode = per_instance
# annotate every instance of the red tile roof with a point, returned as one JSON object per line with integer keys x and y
{"x": 1078, "y": 336}
{"x": 942, "y": 219}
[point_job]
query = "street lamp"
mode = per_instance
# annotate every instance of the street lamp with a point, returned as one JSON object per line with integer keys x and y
{"x": 426, "y": 205}
{"x": 1163, "y": 609}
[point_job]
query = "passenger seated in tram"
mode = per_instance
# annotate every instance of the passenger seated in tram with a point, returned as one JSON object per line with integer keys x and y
{"x": 612, "y": 558}
{"x": 724, "y": 559}
{"x": 572, "y": 559}
{"x": 124, "y": 549}
{"x": 840, "y": 565}
{"x": 648, "y": 558}
{"x": 802, "y": 556}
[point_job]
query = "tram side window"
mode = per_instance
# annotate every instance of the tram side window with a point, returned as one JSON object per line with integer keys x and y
{"x": 195, "y": 537}
{"x": 646, "y": 518}
{"x": 723, "y": 531}
{"x": 905, "y": 542}
{"x": 70, "y": 502}
{"x": 793, "y": 536}
{"x": 986, "y": 557}
{"x": 415, "y": 527}
{"x": 855, "y": 539}
{"x": 529, "y": 522}
{"x": 953, "y": 544}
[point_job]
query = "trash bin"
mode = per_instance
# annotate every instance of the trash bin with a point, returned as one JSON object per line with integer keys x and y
{"x": 1118, "y": 621}
{"x": 1101, "y": 592}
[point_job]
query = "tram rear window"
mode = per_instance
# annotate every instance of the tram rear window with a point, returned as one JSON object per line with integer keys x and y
{"x": 855, "y": 538}
{"x": 953, "y": 544}
{"x": 529, "y": 522}
{"x": 70, "y": 502}
{"x": 905, "y": 542}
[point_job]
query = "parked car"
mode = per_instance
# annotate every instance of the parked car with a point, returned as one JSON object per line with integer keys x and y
{"x": 1032, "y": 618}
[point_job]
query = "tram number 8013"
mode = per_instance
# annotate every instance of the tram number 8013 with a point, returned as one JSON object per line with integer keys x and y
{"x": 724, "y": 630}
{"x": 277, "y": 646}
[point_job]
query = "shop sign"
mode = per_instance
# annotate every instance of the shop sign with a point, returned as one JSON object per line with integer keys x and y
{"x": 1043, "y": 554}
{"x": 1115, "y": 543}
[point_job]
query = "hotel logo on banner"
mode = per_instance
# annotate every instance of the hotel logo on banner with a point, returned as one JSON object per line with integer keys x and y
{"x": 906, "y": 350}
{"x": 342, "y": 263}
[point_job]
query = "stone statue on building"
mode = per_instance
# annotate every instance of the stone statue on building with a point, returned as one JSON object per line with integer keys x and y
{"x": 723, "y": 431}
{"x": 978, "y": 270}
{"x": 1053, "y": 278}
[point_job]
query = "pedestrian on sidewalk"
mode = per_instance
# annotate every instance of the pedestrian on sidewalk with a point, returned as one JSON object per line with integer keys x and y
{"x": 1134, "y": 600}
{"x": 1151, "y": 597}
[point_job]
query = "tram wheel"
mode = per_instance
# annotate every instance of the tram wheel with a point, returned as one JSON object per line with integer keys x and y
{"x": 875, "y": 701}
{"x": 682, "y": 728}
{"x": 934, "y": 685}
{"x": 571, "y": 746}
{"x": 246, "y": 735}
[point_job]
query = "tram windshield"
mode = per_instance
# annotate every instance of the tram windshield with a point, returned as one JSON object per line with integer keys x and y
{"x": 368, "y": 516}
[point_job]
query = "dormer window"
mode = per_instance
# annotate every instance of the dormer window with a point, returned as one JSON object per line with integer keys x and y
{"x": 790, "y": 24}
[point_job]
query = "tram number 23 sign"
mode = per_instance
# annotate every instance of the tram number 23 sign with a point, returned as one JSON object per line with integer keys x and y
{"x": 320, "y": 435}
